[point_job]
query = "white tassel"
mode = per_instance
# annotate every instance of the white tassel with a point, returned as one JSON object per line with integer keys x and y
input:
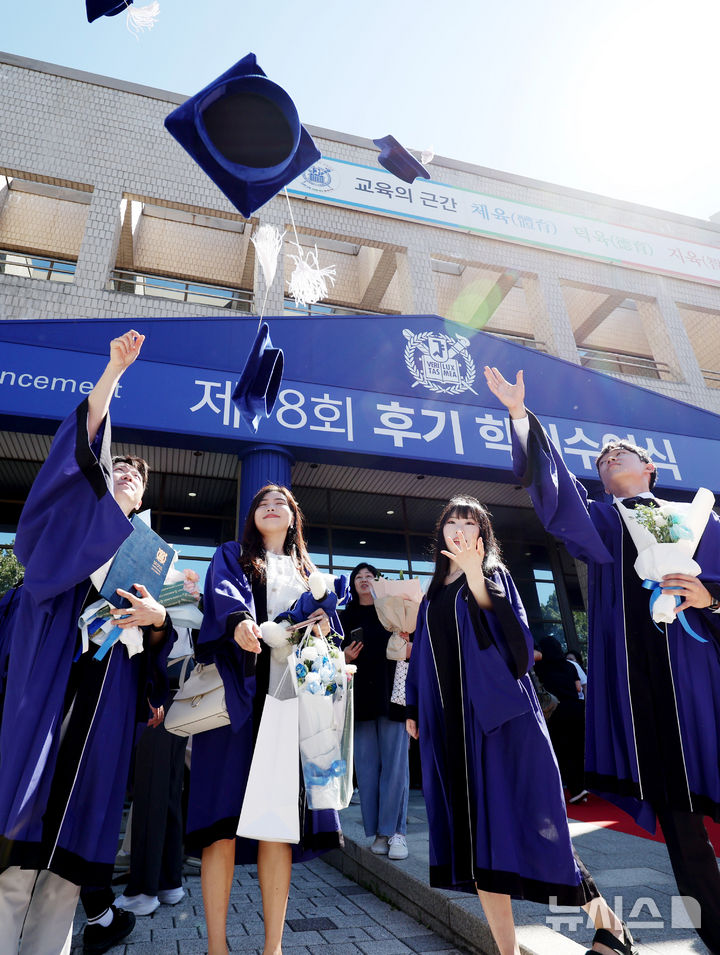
{"x": 427, "y": 156}
{"x": 139, "y": 19}
{"x": 268, "y": 243}
{"x": 308, "y": 282}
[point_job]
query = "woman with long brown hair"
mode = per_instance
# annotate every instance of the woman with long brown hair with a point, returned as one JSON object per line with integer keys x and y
{"x": 247, "y": 584}
{"x": 492, "y": 789}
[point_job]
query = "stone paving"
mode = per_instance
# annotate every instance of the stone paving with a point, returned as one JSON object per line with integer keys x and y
{"x": 355, "y": 903}
{"x": 328, "y": 914}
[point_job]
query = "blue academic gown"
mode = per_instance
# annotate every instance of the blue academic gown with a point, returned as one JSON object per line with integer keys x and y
{"x": 491, "y": 784}
{"x": 8, "y": 605}
{"x": 221, "y": 757}
{"x": 594, "y": 532}
{"x": 70, "y": 526}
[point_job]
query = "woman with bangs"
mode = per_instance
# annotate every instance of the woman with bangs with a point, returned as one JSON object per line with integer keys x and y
{"x": 491, "y": 784}
{"x": 248, "y": 583}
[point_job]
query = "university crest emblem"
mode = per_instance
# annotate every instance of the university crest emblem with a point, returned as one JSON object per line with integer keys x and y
{"x": 440, "y": 362}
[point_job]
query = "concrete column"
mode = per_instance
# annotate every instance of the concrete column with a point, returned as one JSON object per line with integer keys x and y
{"x": 549, "y": 316}
{"x": 417, "y": 283}
{"x": 668, "y": 339}
{"x": 100, "y": 241}
{"x": 259, "y": 465}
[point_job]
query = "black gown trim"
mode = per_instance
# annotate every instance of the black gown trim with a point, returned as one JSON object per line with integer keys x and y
{"x": 539, "y": 432}
{"x": 516, "y": 886}
{"x": 68, "y": 865}
{"x": 97, "y": 473}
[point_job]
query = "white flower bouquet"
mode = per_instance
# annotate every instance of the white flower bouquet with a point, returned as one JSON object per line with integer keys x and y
{"x": 180, "y": 595}
{"x": 320, "y": 677}
{"x": 666, "y": 538}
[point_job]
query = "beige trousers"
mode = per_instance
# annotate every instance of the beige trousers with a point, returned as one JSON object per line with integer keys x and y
{"x": 37, "y": 909}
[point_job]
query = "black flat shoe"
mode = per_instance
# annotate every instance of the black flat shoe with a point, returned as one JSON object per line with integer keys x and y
{"x": 101, "y": 938}
{"x": 623, "y": 946}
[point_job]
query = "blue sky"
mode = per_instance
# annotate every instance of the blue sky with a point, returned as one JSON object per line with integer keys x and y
{"x": 617, "y": 98}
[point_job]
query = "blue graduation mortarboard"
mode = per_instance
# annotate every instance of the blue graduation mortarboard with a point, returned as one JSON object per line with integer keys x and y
{"x": 397, "y": 160}
{"x": 244, "y": 131}
{"x": 104, "y": 8}
{"x": 257, "y": 389}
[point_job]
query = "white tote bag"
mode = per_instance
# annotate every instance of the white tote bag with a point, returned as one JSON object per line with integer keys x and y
{"x": 270, "y": 807}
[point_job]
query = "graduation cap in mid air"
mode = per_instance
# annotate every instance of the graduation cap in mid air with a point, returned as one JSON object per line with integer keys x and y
{"x": 138, "y": 18}
{"x": 104, "y": 8}
{"x": 397, "y": 160}
{"x": 259, "y": 383}
{"x": 244, "y": 131}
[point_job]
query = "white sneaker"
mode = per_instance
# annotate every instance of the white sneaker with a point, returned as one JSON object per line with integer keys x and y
{"x": 380, "y": 846}
{"x": 171, "y": 896}
{"x": 397, "y": 847}
{"x": 139, "y": 904}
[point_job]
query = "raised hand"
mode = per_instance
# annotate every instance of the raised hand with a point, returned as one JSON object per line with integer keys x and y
{"x": 512, "y": 396}
{"x": 467, "y": 556}
{"x": 125, "y": 349}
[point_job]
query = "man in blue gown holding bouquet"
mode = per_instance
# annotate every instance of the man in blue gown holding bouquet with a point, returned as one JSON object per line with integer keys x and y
{"x": 653, "y": 710}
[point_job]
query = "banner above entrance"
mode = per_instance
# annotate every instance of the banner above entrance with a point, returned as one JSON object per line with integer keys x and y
{"x": 407, "y": 389}
{"x": 371, "y": 189}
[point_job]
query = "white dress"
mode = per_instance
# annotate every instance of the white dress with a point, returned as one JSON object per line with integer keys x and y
{"x": 285, "y": 584}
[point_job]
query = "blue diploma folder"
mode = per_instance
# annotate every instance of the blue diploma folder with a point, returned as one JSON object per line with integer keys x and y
{"x": 144, "y": 558}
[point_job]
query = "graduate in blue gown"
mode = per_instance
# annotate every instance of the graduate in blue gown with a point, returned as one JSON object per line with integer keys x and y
{"x": 653, "y": 707}
{"x": 491, "y": 784}
{"x": 248, "y": 583}
{"x": 68, "y": 720}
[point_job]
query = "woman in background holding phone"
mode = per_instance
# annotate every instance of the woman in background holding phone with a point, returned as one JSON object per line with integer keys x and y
{"x": 381, "y": 746}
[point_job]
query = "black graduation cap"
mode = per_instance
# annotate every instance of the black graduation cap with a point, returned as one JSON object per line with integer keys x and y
{"x": 259, "y": 383}
{"x": 104, "y": 8}
{"x": 397, "y": 160}
{"x": 244, "y": 131}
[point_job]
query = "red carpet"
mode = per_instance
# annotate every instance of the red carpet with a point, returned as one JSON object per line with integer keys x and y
{"x": 603, "y": 813}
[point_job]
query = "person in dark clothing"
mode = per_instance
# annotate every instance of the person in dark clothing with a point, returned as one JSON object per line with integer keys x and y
{"x": 381, "y": 746}
{"x": 567, "y": 726}
{"x": 495, "y": 808}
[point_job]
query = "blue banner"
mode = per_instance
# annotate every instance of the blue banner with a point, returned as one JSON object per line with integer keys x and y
{"x": 407, "y": 389}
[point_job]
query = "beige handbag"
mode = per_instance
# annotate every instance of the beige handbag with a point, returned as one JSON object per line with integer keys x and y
{"x": 199, "y": 704}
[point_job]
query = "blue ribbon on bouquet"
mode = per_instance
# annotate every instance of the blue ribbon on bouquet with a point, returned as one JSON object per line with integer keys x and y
{"x": 656, "y": 587}
{"x": 112, "y": 638}
{"x": 314, "y": 776}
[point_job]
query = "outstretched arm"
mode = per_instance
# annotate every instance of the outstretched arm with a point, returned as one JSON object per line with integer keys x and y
{"x": 558, "y": 497}
{"x": 123, "y": 352}
{"x": 512, "y": 396}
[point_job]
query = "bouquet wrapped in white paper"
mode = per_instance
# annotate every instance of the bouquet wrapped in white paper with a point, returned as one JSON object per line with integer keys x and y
{"x": 321, "y": 682}
{"x": 666, "y": 538}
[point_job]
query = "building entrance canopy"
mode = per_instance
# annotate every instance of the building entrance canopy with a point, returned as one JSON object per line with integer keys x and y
{"x": 399, "y": 392}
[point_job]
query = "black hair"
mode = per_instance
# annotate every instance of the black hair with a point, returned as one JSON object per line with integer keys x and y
{"x": 628, "y": 446}
{"x": 140, "y": 465}
{"x": 253, "y": 547}
{"x": 353, "y": 574}
{"x": 464, "y": 507}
